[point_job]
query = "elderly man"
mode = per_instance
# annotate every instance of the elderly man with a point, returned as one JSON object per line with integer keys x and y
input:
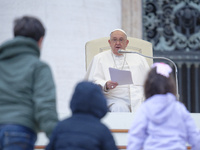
{"x": 120, "y": 98}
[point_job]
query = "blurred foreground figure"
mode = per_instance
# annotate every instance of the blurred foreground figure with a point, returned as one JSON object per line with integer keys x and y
{"x": 83, "y": 130}
{"x": 162, "y": 122}
{"x": 27, "y": 91}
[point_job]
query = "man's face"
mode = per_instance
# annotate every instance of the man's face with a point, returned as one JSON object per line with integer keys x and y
{"x": 118, "y": 41}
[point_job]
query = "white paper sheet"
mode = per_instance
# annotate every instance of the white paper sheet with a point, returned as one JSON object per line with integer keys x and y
{"x": 122, "y": 77}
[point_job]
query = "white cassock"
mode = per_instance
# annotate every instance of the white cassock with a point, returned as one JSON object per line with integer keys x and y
{"x": 129, "y": 95}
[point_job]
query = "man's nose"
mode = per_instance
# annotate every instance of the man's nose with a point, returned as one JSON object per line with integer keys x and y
{"x": 118, "y": 42}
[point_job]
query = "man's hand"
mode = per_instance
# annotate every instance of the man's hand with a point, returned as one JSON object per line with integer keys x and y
{"x": 111, "y": 85}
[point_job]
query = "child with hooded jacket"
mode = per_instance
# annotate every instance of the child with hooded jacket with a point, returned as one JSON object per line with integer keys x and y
{"x": 162, "y": 122}
{"x": 84, "y": 130}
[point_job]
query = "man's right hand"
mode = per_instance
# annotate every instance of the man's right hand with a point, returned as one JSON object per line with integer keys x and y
{"x": 111, "y": 85}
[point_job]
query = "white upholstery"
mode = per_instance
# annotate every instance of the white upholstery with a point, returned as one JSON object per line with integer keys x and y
{"x": 99, "y": 45}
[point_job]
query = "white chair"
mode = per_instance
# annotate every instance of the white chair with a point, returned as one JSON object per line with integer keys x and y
{"x": 99, "y": 45}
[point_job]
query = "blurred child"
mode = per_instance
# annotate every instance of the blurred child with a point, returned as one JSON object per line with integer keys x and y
{"x": 83, "y": 130}
{"x": 162, "y": 122}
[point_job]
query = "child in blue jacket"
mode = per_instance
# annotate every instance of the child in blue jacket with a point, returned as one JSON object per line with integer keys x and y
{"x": 84, "y": 130}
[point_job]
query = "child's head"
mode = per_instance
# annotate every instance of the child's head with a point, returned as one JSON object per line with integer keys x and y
{"x": 88, "y": 98}
{"x": 159, "y": 80}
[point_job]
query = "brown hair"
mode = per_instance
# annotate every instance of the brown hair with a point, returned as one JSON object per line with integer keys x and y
{"x": 28, "y": 26}
{"x": 158, "y": 84}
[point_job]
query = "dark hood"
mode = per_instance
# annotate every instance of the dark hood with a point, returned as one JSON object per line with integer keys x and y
{"x": 88, "y": 98}
{"x": 18, "y": 45}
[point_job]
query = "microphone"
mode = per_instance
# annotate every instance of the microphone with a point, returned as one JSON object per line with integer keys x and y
{"x": 165, "y": 58}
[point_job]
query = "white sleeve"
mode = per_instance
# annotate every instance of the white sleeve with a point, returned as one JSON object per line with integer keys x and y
{"x": 95, "y": 73}
{"x": 193, "y": 132}
{"x": 137, "y": 133}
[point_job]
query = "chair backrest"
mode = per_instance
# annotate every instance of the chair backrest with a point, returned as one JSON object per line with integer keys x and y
{"x": 99, "y": 45}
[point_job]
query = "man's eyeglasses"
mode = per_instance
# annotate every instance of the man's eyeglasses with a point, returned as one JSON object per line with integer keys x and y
{"x": 121, "y": 40}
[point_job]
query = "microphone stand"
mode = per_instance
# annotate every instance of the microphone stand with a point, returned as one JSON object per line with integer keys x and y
{"x": 176, "y": 70}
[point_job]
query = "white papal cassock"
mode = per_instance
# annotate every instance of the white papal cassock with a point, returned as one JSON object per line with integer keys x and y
{"x": 131, "y": 95}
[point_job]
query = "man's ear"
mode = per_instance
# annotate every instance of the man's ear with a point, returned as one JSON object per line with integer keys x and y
{"x": 109, "y": 41}
{"x": 40, "y": 42}
{"x": 127, "y": 42}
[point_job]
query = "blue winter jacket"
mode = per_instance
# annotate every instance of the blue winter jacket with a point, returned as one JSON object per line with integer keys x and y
{"x": 83, "y": 130}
